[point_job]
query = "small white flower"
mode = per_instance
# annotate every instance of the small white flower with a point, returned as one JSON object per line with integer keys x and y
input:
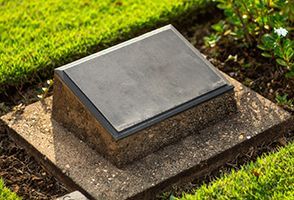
{"x": 281, "y": 31}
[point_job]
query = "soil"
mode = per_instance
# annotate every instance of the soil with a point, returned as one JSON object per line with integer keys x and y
{"x": 23, "y": 175}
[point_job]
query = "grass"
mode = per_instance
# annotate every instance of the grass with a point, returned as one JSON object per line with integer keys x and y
{"x": 36, "y": 36}
{"x": 6, "y": 194}
{"x": 270, "y": 177}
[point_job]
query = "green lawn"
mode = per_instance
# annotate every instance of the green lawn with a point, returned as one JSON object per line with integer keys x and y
{"x": 6, "y": 194}
{"x": 37, "y": 35}
{"x": 270, "y": 177}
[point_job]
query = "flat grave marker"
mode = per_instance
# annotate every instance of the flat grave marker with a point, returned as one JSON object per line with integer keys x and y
{"x": 139, "y": 90}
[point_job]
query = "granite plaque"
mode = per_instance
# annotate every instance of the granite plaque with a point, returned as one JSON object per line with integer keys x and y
{"x": 141, "y": 83}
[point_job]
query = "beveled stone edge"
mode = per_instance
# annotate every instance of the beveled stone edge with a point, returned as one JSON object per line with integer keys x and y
{"x": 115, "y": 47}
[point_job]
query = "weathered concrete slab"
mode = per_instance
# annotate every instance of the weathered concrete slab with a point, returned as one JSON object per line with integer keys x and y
{"x": 258, "y": 121}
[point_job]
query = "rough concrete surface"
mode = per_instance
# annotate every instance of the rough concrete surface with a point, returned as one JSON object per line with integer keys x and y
{"x": 257, "y": 121}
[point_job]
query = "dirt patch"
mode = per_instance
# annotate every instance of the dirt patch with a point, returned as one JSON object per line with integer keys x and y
{"x": 23, "y": 175}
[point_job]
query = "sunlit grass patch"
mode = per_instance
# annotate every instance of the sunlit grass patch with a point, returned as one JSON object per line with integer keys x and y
{"x": 37, "y": 36}
{"x": 6, "y": 194}
{"x": 270, "y": 177}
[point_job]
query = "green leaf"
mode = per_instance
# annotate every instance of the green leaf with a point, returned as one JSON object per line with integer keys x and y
{"x": 172, "y": 197}
{"x": 211, "y": 40}
{"x": 267, "y": 55}
{"x": 287, "y": 43}
{"x": 219, "y": 27}
{"x": 261, "y": 47}
{"x": 290, "y": 74}
{"x": 268, "y": 41}
{"x": 289, "y": 54}
{"x": 281, "y": 62}
{"x": 281, "y": 98}
{"x": 278, "y": 51}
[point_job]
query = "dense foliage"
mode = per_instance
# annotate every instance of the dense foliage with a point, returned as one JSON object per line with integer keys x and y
{"x": 266, "y": 24}
{"x": 270, "y": 177}
{"x": 37, "y": 36}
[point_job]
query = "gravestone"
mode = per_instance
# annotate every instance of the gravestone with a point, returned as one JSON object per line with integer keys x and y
{"x": 136, "y": 97}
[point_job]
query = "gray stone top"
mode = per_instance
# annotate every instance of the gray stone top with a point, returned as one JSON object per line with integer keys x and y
{"x": 141, "y": 81}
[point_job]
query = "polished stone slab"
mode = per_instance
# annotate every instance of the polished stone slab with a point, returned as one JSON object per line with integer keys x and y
{"x": 143, "y": 81}
{"x": 258, "y": 121}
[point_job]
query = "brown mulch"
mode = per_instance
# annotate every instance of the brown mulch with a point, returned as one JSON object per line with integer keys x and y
{"x": 25, "y": 176}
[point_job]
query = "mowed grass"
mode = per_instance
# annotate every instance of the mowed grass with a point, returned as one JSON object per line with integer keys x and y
{"x": 37, "y": 35}
{"x": 6, "y": 194}
{"x": 270, "y": 177}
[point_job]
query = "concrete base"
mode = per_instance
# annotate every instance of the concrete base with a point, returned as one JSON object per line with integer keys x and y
{"x": 257, "y": 121}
